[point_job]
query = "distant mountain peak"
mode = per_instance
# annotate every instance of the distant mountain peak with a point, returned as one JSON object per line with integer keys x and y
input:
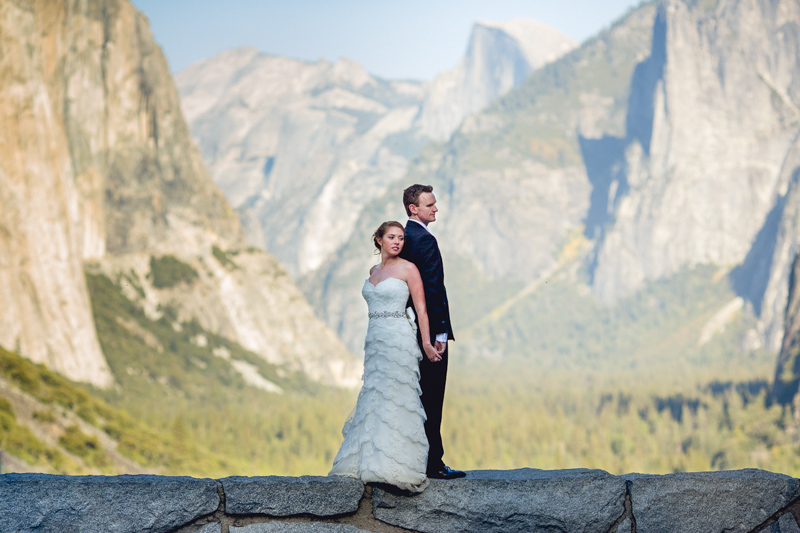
{"x": 540, "y": 42}
{"x": 349, "y": 71}
{"x": 499, "y": 57}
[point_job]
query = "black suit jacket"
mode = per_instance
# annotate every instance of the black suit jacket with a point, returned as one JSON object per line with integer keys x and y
{"x": 421, "y": 248}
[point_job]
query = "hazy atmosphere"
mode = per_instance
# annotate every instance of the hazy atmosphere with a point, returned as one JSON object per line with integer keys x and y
{"x": 190, "y": 189}
{"x": 395, "y": 40}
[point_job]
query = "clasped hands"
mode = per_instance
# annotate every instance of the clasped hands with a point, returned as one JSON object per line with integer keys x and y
{"x": 436, "y": 351}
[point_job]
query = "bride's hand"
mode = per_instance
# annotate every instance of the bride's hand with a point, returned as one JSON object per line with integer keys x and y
{"x": 431, "y": 353}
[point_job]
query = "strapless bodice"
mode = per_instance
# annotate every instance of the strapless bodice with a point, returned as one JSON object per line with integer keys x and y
{"x": 387, "y": 299}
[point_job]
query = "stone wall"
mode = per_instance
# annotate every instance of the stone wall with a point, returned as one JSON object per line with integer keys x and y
{"x": 485, "y": 501}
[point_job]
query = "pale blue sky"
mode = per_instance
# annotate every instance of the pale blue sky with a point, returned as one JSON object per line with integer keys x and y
{"x": 394, "y": 39}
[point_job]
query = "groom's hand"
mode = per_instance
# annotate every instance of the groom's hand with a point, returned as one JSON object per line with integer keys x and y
{"x": 431, "y": 353}
{"x": 440, "y": 347}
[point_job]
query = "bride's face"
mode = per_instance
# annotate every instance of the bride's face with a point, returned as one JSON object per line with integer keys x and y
{"x": 392, "y": 241}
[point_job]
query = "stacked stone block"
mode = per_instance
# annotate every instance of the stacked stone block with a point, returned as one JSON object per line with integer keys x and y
{"x": 747, "y": 501}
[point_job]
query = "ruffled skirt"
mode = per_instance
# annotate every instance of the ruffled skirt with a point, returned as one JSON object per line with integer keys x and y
{"x": 384, "y": 436}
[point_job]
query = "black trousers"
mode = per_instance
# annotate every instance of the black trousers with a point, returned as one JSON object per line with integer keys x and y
{"x": 432, "y": 380}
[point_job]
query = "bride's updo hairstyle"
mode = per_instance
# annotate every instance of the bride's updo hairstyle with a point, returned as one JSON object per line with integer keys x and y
{"x": 381, "y": 231}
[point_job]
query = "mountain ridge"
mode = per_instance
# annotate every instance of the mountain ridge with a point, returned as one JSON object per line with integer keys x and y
{"x": 99, "y": 166}
{"x": 302, "y": 157}
{"x": 499, "y": 57}
{"x": 510, "y": 182}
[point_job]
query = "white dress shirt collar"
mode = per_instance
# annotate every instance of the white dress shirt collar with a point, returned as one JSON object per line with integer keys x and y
{"x": 421, "y": 224}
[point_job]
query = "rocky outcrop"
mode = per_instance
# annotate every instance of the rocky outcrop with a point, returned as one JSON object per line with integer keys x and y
{"x": 245, "y": 295}
{"x": 486, "y": 501}
{"x": 500, "y": 55}
{"x": 45, "y": 227}
{"x": 708, "y": 156}
{"x": 97, "y": 165}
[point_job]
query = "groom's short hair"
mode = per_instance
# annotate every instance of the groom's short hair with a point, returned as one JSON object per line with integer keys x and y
{"x": 411, "y": 195}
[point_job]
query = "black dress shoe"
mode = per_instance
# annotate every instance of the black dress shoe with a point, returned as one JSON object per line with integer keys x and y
{"x": 446, "y": 473}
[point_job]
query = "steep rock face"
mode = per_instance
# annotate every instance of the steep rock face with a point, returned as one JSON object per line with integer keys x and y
{"x": 787, "y": 373}
{"x": 511, "y": 183}
{"x": 770, "y": 261}
{"x": 300, "y": 148}
{"x": 45, "y": 233}
{"x": 98, "y": 165}
{"x": 499, "y": 57}
{"x": 779, "y": 267}
{"x": 247, "y": 296}
{"x": 297, "y": 147}
{"x": 712, "y": 121}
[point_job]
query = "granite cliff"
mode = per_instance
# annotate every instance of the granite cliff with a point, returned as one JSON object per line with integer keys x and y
{"x": 511, "y": 183}
{"x": 707, "y": 171}
{"x": 787, "y": 373}
{"x": 500, "y": 55}
{"x": 98, "y": 168}
{"x": 667, "y": 142}
{"x": 300, "y": 148}
{"x": 709, "y": 154}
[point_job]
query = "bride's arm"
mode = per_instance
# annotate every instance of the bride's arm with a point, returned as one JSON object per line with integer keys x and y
{"x": 417, "y": 291}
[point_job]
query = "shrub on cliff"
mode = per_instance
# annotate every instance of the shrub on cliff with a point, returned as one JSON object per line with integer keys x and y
{"x": 168, "y": 271}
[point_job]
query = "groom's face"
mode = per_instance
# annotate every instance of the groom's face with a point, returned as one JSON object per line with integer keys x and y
{"x": 426, "y": 210}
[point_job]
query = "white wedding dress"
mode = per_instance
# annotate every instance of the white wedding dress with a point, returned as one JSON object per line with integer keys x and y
{"x": 384, "y": 436}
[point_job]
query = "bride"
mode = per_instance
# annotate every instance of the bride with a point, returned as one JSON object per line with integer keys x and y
{"x": 384, "y": 436}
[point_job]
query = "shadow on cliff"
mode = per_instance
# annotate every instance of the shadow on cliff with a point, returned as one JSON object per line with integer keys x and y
{"x": 604, "y": 158}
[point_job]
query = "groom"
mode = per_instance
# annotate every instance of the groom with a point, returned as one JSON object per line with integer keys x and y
{"x": 422, "y": 249}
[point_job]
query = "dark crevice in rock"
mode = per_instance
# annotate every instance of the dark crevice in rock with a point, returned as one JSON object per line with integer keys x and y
{"x": 221, "y": 492}
{"x": 364, "y": 517}
{"x": 225, "y": 522}
{"x": 200, "y": 523}
{"x": 627, "y": 514}
{"x": 792, "y": 508}
{"x": 217, "y": 516}
{"x": 629, "y": 501}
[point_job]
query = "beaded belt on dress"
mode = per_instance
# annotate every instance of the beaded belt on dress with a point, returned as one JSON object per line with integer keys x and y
{"x": 387, "y": 314}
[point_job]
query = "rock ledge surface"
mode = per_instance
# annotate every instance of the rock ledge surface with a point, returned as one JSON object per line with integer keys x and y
{"x": 486, "y": 500}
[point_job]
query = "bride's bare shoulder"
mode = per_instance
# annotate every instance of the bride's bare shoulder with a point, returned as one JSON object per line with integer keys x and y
{"x": 408, "y": 267}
